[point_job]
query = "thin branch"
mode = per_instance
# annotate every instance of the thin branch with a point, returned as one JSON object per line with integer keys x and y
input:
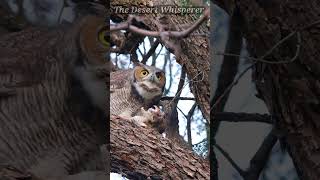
{"x": 167, "y": 57}
{"x": 231, "y": 85}
{"x": 243, "y": 117}
{"x": 177, "y": 34}
{"x": 151, "y": 51}
{"x": 309, "y": 25}
{"x": 160, "y": 52}
{"x": 271, "y": 50}
{"x": 262, "y": 60}
{"x": 141, "y": 53}
{"x": 232, "y": 162}
{"x": 192, "y": 80}
{"x": 172, "y": 121}
{"x": 260, "y": 159}
{"x": 179, "y": 98}
{"x": 182, "y": 112}
{"x": 202, "y": 141}
{"x": 189, "y": 117}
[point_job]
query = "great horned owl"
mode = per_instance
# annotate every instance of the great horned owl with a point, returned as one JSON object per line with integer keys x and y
{"x": 134, "y": 93}
{"x": 53, "y": 98}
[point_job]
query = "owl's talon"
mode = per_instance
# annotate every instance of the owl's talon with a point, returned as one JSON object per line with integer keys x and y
{"x": 156, "y": 111}
{"x": 139, "y": 122}
{"x": 143, "y": 110}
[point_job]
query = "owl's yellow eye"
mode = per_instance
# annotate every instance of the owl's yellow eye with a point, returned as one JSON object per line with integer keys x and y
{"x": 144, "y": 73}
{"x": 102, "y": 37}
{"x": 159, "y": 77}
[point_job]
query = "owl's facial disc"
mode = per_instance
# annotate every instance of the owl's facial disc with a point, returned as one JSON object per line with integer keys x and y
{"x": 149, "y": 83}
{"x": 147, "y": 89}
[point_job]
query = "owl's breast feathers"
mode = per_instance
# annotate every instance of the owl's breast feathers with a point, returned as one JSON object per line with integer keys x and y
{"x": 124, "y": 99}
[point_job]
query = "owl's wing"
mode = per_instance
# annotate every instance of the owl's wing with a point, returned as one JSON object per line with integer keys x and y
{"x": 26, "y": 57}
{"x": 119, "y": 79}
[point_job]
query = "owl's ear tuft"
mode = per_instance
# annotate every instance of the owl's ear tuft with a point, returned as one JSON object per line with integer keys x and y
{"x": 136, "y": 64}
{"x": 91, "y": 8}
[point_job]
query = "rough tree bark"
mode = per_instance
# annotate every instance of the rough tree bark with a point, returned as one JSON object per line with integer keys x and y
{"x": 141, "y": 153}
{"x": 291, "y": 91}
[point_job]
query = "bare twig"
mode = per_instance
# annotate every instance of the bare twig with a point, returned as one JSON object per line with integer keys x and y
{"x": 231, "y": 85}
{"x": 182, "y": 112}
{"x": 260, "y": 159}
{"x": 271, "y": 50}
{"x": 177, "y": 34}
{"x": 179, "y": 98}
{"x": 261, "y": 59}
{"x": 243, "y": 117}
{"x": 202, "y": 141}
{"x": 180, "y": 90}
{"x": 151, "y": 51}
{"x": 189, "y": 118}
{"x": 228, "y": 157}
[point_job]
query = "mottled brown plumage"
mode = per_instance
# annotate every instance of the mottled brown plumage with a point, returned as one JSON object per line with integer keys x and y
{"x": 134, "y": 92}
{"x": 52, "y": 119}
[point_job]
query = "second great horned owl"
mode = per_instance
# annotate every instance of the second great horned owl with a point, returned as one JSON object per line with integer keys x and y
{"x": 53, "y": 98}
{"x": 135, "y": 91}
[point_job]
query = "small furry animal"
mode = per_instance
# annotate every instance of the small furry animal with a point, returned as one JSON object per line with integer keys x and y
{"x": 133, "y": 91}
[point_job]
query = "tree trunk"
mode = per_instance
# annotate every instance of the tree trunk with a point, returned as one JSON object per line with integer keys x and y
{"x": 142, "y": 153}
{"x": 291, "y": 91}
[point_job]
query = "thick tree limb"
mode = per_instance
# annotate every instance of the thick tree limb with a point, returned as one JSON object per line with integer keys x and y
{"x": 139, "y": 152}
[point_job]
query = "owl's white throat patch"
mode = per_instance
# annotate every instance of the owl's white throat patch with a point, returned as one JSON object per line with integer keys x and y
{"x": 147, "y": 90}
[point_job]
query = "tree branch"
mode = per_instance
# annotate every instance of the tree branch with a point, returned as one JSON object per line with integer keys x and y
{"x": 178, "y": 98}
{"x": 231, "y": 161}
{"x": 151, "y": 51}
{"x": 127, "y": 25}
{"x": 189, "y": 116}
{"x": 149, "y": 155}
{"x": 243, "y": 117}
{"x": 260, "y": 159}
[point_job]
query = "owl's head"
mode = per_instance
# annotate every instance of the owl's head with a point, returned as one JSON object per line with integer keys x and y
{"x": 87, "y": 56}
{"x": 148, "y": 81}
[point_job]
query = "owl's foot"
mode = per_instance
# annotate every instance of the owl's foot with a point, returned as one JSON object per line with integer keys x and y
{"x": 156, "y": 111}
{"x": 155, "y": 118}
{"x": 139, "y": 121}
{"x": 152, "y": 114}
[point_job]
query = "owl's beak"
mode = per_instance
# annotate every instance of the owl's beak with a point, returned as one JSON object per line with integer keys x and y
{"x": 153, "y": 78}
